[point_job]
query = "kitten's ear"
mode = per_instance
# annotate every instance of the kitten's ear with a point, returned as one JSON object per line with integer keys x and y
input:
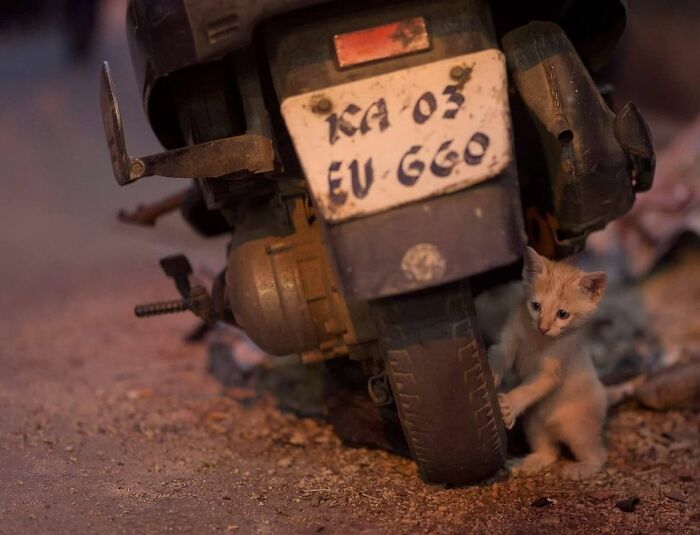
{"x": 593, "y": 284}
{"x": 533, "y": 264}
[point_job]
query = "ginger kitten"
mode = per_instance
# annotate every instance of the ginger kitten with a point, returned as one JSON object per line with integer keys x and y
{"x": 558, "y": 393}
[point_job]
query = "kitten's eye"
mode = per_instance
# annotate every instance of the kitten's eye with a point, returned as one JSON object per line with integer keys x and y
{"x": 535, "y": 306}
{"x": 562, "y": 314}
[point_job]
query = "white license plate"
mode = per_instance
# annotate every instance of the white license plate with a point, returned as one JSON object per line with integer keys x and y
{"x": 380, "y": 142}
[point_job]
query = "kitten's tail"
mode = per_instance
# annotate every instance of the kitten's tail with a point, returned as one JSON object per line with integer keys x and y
{"x": 622, "y": 391}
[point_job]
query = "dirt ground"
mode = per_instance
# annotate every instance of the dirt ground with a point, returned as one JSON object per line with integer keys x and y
{"x": 109, "y": 424}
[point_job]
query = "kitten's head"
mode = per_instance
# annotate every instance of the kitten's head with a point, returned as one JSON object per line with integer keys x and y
{"x": 560, "y": 297}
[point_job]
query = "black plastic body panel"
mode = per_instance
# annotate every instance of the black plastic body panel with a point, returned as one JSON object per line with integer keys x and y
{"x": 474, "y": 230}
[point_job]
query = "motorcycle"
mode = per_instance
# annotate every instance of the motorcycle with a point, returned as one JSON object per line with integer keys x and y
{"x": 378, "y": 164}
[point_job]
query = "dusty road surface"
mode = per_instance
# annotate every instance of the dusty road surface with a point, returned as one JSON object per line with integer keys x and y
{"x": 109, "y": 424}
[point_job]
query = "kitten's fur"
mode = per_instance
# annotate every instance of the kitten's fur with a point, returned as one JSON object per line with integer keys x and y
{"x": 559, "y": 392}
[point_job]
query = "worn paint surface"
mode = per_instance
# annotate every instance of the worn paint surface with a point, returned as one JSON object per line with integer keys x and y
{"x": 403, "y": 136}
{"x": 423, "y": 262}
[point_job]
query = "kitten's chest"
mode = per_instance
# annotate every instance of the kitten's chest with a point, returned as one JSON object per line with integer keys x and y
{"x": 529, "y": 356}
{"x": 527, "y": 362}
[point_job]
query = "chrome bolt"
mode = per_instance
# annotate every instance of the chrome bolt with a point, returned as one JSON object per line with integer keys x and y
{"x": 457, "y": 73}
{"x": 323, "y": 106}
{"x": 137, "y": 169}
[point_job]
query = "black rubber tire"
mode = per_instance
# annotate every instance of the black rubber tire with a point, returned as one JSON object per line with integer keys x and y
{"x": 442, "y": 385}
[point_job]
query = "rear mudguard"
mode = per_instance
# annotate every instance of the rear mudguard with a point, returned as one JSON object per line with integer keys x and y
{"x": 430, "y": 243}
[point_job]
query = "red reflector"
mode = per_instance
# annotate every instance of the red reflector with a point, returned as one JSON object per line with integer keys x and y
{"x": 380, "y": 42}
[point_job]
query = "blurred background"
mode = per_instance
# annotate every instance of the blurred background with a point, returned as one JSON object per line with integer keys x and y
{"x": 59, "y": 201}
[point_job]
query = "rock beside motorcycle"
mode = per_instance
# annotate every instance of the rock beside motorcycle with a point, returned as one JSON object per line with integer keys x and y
{"x": 677, "y": 387}
{"x": 234, "y": 361}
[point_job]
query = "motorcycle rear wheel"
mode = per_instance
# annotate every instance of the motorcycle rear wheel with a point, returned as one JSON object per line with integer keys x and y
{"x": 442, "y": 385}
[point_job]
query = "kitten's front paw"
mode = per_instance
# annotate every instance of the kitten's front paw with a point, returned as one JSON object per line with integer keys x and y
{"x": 535, "y": 462}
{"x": 495, "y": 359}
{"x": 513, "y": 466}
{"x": 578, "y": 470}
{"x": 507, "y": 411}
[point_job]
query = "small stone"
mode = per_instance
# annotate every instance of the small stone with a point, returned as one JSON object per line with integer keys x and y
{"x": 216, "y": 416}
{"x": 231, "y": 527}
{"x": 628, "y": 505}
{"x": 350, "y": 469}
{"x": 226, "y": 497}
{"x": 217, "y": 428}
{"x": 602, "y": 494}
{"x": 542, "y": 502}
{"x": 297, "y": 439}
{"x": 285, "y": 462}
{"x": 676, "y": 496}
{"x": 139, "y": 393}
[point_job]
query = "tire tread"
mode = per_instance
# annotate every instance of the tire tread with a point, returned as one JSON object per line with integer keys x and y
{"x": 431, "y": 339}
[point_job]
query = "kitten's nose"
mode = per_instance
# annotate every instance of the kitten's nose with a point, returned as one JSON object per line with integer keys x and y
{"x": 543, "y": 329}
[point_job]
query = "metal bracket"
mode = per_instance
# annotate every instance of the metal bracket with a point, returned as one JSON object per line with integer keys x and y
{"x": 249, "y": 153}
{"x": 379, "y": 390}
{"x": 178, "y": 268}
